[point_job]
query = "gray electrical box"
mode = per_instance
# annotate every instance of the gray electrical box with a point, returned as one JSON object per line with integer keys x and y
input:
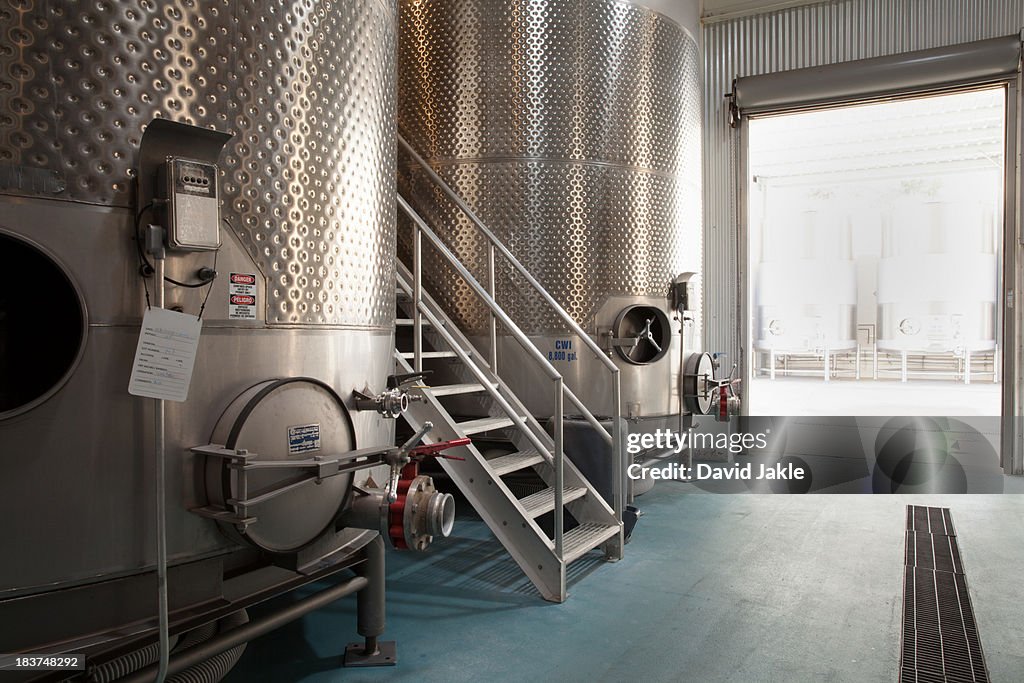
{"x": 193, "y": 204}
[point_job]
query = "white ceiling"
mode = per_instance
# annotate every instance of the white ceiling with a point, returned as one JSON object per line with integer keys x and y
{"x": 903, "y": 139}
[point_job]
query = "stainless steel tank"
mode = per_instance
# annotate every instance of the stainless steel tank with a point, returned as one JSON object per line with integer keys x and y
{"x": 572, "y": 128}
{"x": 938, "y": 278}
{"x": 806, "y": 285}
{"x": 306, "y": 88}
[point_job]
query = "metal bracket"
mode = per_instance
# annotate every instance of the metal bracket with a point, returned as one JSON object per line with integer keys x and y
{"x": 241, "y": 461}
{"x": 623, "y": 341}
{"x": 735, "y": 115}
{"x": 386, "y": 654}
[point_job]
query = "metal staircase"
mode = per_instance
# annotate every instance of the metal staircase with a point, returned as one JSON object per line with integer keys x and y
{"x": 516, "y": 522}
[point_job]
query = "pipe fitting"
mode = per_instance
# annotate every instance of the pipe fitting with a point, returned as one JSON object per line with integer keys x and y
{"x": 419, "y": 515}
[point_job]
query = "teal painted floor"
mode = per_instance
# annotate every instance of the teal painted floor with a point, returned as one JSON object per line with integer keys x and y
{"x": 713, "y": 588}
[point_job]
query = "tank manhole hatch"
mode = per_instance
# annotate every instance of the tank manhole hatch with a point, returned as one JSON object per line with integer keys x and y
{"x": 940, "y": 639}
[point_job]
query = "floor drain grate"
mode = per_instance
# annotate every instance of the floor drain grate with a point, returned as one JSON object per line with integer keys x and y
{"x": 940, "y": 639}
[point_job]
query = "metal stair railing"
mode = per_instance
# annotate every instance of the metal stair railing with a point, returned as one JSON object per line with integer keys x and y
{"x": 492, "y": 383}
{"x": 497, "y": 314}
{"x": 561, "y": 391}
{"x": 527, "y": 424}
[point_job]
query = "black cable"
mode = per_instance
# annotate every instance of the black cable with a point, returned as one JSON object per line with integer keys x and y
{"x": 143, "y": 262}
{"x": 215, "y": 255}
{"x": 194, "y": 285}
{"x": 210, "y": 290}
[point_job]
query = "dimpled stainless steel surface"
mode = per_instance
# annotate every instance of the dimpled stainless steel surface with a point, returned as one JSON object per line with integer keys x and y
{"x": 572, "y": 129}
{"x": 306, "y": 87}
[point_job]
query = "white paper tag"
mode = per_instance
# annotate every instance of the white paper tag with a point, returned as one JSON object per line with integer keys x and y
{"x": 165, "y": 356}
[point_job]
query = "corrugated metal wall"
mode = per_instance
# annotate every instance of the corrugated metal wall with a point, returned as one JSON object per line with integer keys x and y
{"x": 813, "y": 35}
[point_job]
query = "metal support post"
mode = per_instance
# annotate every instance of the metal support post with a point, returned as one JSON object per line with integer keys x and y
{"x": 155, "y": 247}
{"x": 370, "y": 613}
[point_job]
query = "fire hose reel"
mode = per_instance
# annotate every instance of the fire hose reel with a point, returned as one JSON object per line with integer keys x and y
{"x": 705, "y": 394}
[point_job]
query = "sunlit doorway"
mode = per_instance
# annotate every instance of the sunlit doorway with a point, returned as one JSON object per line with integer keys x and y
{"x": 874, "y": 255}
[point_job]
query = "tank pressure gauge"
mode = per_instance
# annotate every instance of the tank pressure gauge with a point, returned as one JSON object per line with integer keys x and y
{"x": 193, "y": 204}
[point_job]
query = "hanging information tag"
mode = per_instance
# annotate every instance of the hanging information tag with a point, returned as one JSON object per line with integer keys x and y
{"x": 165, "y": 356}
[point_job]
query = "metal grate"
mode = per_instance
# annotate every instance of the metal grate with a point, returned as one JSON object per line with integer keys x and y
{"x": 930, "y": 520}
{"x": 933, "y": 551}
{"x": 940, "y": 639}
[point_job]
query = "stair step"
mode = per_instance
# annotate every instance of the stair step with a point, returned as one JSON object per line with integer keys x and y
{"x": 409, "y": 355}
{"x": 407, "y": 322}
{"x": 544, "y": 501}
{"x": 453, "y": 389}
{"x": 584, "y": 538}
{"x": 484, "y": 424}
{"x": 513, "y": 462}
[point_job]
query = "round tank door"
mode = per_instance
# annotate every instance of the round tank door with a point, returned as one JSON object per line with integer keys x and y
{"x": 643, "y": 334}
{"x": 283, "y": 420}
{"x": 42, "y": 326}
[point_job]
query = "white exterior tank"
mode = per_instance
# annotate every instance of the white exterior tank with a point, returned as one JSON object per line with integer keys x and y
{"x": 806, "y": 287}
{"x": 938, "y": 279}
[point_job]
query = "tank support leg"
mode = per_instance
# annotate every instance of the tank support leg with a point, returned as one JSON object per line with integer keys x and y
{"x": 370, "y": 619}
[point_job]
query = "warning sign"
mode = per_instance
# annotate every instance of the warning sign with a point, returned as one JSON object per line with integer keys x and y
{"x": 242, "y": 296}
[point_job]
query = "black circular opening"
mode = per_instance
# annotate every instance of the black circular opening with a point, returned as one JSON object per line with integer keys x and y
{"x": 649, "y": 330}
{"x": 42, "y": 326}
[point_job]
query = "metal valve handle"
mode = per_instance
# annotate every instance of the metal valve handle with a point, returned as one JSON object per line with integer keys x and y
{"x": 645, "y": 335}
{"x": 436, "y": 450}
{"x": 397, "y": 381}
{"x": 410, "y": 451}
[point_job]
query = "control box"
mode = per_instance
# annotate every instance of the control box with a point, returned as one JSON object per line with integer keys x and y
{"x": 193, "y": 204}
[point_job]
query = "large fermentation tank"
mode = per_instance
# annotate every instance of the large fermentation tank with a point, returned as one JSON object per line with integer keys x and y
{"x": 306, "y": 88}
{"x": 806, "y": 285}
{"x": 938, "y": 278}
{"x": 572, "y": 128}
